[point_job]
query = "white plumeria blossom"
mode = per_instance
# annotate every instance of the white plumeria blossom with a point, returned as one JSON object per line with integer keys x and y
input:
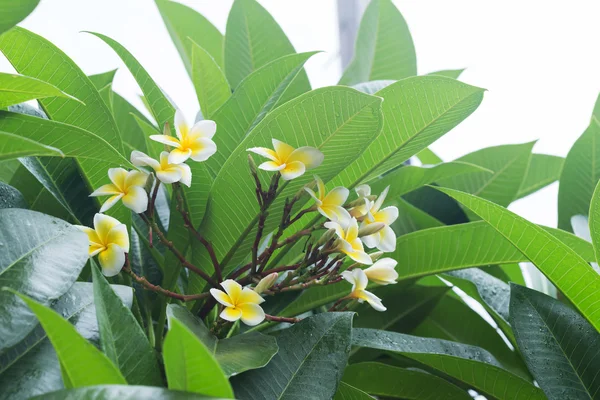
{"x": 239, "y": 303}
{"x": 166, "y": 172}
{"x": 363, "y": 192}
{"x": 195, "y": 142}
{"x": 359, "y": 281}
{"x": 385, "y": 239}
{"x": 290, "y": 162}
{"x": 383, "y": 272}
{"x": 127, "y": 186}
{"x": 348, "y": 241}
{"x": 109, "y": 240}
{"x": 330, "y": 205}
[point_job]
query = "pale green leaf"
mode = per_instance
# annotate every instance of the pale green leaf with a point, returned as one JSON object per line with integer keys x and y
{"x": 209, "y": 81}
{"x": 103, "y": 79}
{"x": 384, "y": 48}
{"x": 12, "y": 12}
{"x": 543, "y": 170}
{"x": 120, "y": 392}
{"x": 13, "y": 146}
{"x": 449, "y": 73}
{"x": 427, "y": 156}
{"x": 15, "y": 89}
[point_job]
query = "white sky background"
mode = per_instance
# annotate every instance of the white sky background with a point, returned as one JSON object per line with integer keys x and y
{"x": 538, "y": 59}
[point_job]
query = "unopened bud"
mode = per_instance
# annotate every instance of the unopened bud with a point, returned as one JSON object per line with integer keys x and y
{"x": 266, "y": 282}
{"x": 375, "y": 256}
{"x": 370, "y": 229}
{"x": 167, "y": 129}
{"x": 252, "y": 165}
{"x": 150, "y": 183}
{"x": 327, "y": 236}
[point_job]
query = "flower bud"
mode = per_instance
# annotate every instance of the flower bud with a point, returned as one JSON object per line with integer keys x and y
{"x": 327, "y": 236}
{"x": 370, "y": 229}
{"x": 375, "y": 256}
{"x": 252, "y": 165}
{"x": 167, "y": 129}
{"x": 266, "y": 282}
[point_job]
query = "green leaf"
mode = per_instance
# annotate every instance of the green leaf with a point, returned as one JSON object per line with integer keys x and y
{"x": 190, "y": 366}
{"x": 399, "y": 383}
{"x": 558, "y": 345}
{"x": 446, "y": 248}
{"x": 412, "y": 219}
{"x": 417, "y": 111}
{"x": 408, "y": 178}
{"x": 72, "y": 141}
{"x": 427, "y": 156}
{"x": 471, "y": 365}
{"x": 13, "y": 12}
{"x": 103, "y": 79}
{"x": 257, "y": 95}
{"x": 509, "y": 165}
{"x": 312, "y": 354}
{"x": 372, "y": 87}
{"x": 253, "y": 39}
{"x": 15, "y": 89}
{"x": 209, "y": 81}
{"x": 449, "y": 73}
{"x": 11, "y": 197}
{"x": 183, "y": 22}
{"x": 438, "y": 205}
{"x": 313, "y": 119}
{"x": 570, "y": 273}
{"x": 236, "y": 354}
{"x": 543, "y": 170}
{"x": 123, "y": 340}
{"x": 41, "y": 256}
{"x": 82, "y": 363}
{"x": 120, "y": 392}
{"x": 384, "y": 48}
{"x": 13, "y": 146}
{"x": 126, "y": 116}
{"x": 579, "y": 176}
{"x": 348, "y": 392}
{"x": 30, "y": 367}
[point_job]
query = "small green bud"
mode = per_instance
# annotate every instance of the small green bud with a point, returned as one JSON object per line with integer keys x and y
{"x": 266, "y": 282}
{"x": 370, "y": 229}
{"x": 252, "y": 164}
{"x": 375, "y": 256}
{"x": 327, "y": 236}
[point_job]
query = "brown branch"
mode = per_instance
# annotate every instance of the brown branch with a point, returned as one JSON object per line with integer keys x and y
{"x": 281, "y": 319}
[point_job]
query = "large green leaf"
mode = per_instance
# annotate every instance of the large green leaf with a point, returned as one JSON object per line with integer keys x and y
{"x": 30, "y": 367}
{"x": 72, "y": 141}
{"x": 183, "y": 22}
{"x": 13, "y": 12}
{"x": 15, "y": 89}
{"x": 36, "y": 57}
{"x": 471, "y": 365}
{"x": 446, "y": 248}
{"x": 190, "y": 366}
{"x": 449, "y": 73}
{"x": 580, "y": 174}
{"x": 41, "y": 257}
{"x": 123, "y": 340}
{"x": 570, "y": 273}
{"x": 10, "y": 197}
{"x": 509, "y": 165}
{"x": 120, "y": 392}
{"x": 103, "y": 79}
{"x": 543, "y": 170}
{"x": 411, "y": 218}
{"x": 384, "y": 48}
{"x": 406, "y": 179}
{"x": 417, "y": 112}
{"x": 594, "y": 221}
{"x": 81, "y": 363}
{"x": 399, "y": 383}
{"x": 313, "y": 119}
{"x": 236, "y": 354}
{"x": 312, "y": 354}
{"x": 209, "y": 81}
{"x": 126, "y": 117}
{"x": 349, "y": 392}
{"x": 252, "y": 39}
{"x": 258, "y": 94}
{"x": 13, "y": 146}
{"x": 559, "y": 346}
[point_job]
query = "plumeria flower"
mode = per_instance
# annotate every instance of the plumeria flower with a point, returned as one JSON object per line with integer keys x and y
{"x": 166, "y": 172}
{"x": 195, "y": 142}
{"x": 110, "y": 241}
{"x": 239, "y": 303}
{"x": 330, "y": 204}
{"x": 385, "y": 239}
{"x": 383, "y": 272}
{"x": 363, "y": 192}
{"x": 348, "y": 241}
{"x": 125, "y": 186}
{"x": 290, "y": 162}
{"x": 359, "y": 281}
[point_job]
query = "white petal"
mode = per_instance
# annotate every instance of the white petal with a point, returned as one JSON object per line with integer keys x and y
{"x": 387, "y": 239}
{"x": 263, "y": 151}
{"x": 177, "y": 156}
{"x": 292, "y": 170}
{"x": 309, "y": 156}
{"x": 205, "y": 128}
{"x": 112, "y": 260}
{"x": 136, "y": 199}
{"x": 380, "y": 200}
{"x": 271, "y": 166}
{"x": 105, "y": 190}
{"x": 202, "y": 149}
{"x": 165, "y": 139}
{"x": 373, "y": 301}
{"x": 363, "y": 190}
{"x": 181, "y": 125}
{"x": 221, "y": 297}
{"x": 110, "y": 202}
{"x": 252, "y": 314}
{"x": 186, "y": 174}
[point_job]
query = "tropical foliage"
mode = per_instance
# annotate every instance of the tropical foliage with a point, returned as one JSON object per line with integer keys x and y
{"x": 290, "y": 242}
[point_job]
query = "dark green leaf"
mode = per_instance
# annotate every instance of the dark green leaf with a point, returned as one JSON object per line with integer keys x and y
{"x": 13, "y": 12}
{"x": 347, "y": 392}
{"x": 41, "y": 257}
{"x": 412, "y": 219}
{"x": 11, "y": 197}
{"x": 312, "y": 356}
{"x": 120, "y": 392}
{"x": 559, "y": 346}
{"x": 384, "y": 47}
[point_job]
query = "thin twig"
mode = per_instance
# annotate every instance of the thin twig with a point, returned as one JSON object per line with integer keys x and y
{"x": 281, "y": 319}
{"x": 155, "y": 288}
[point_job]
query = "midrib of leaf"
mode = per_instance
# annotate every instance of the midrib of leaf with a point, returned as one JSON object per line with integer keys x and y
{"x": 497, "y": 174}
{"x": 250, "y": 226}
{"x": 249, "y": 40}
{"x": 374, "y": 47}
{"x": 407, "y": 142}
{"x": 304, "y": 359}
{"x": 18, "y": 260}
{"x": 440, "y": 327}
